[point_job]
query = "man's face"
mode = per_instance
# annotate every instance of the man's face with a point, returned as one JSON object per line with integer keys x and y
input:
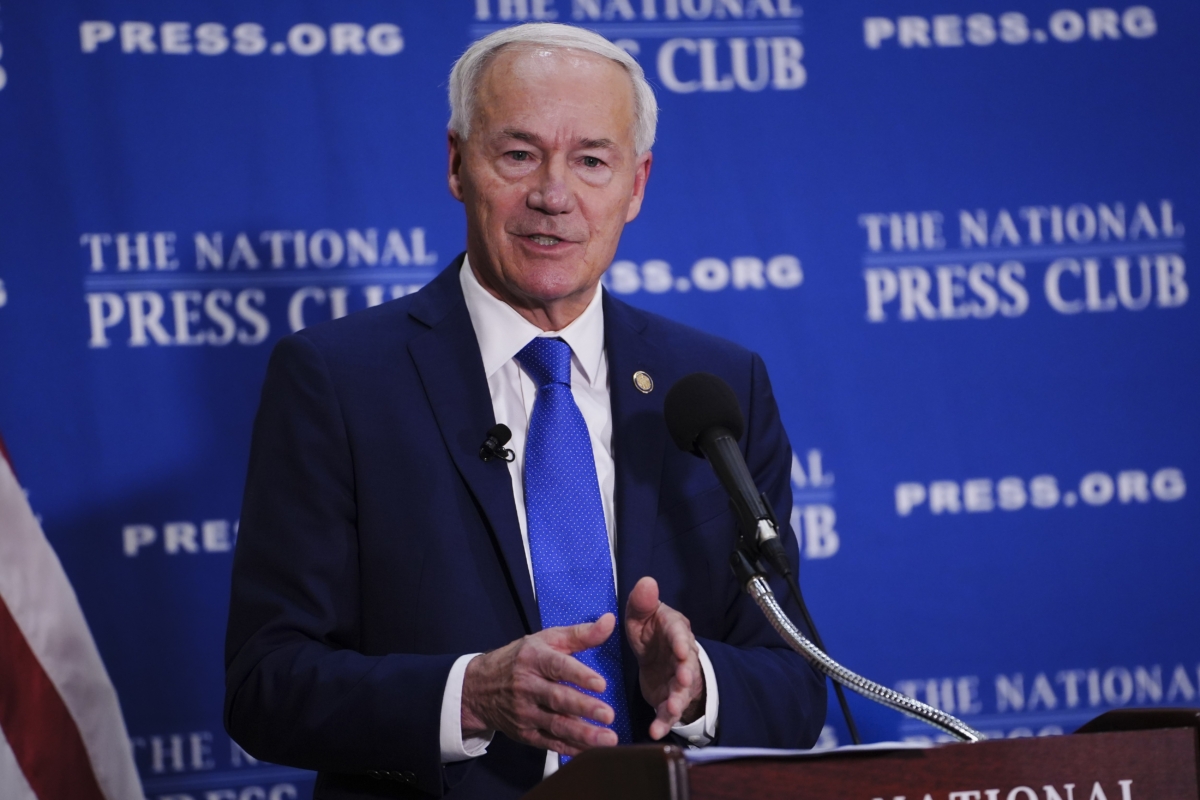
{"x": 549, "y": 176}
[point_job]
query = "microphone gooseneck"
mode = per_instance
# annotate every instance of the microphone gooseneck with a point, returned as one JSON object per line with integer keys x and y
{"x": 758, "y": 588}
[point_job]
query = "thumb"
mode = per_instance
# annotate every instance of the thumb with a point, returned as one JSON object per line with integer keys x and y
{"x": 584, "y": 636}
{"x": 643, "y": 600}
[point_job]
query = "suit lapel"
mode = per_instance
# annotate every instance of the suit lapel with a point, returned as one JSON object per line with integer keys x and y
{"x": 639, "y": 436}
{"x": 447, "y": 359}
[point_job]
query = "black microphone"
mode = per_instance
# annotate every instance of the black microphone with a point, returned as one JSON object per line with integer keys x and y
{"x": 704, "y": 419}
{"x": 493, "y": 445}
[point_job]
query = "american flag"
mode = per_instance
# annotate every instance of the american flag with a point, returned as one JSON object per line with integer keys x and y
{"x": 62, "y": 736}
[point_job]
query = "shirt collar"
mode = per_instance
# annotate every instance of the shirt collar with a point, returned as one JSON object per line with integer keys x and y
{"x": 502, "y": 332}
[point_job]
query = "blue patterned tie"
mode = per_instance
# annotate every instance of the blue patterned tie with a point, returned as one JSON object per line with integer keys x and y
{"x": 568, "y": 538}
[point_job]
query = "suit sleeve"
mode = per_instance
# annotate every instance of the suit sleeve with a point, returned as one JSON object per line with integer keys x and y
{"x": 297, "y": 691}
{"x": 770, "y": 696}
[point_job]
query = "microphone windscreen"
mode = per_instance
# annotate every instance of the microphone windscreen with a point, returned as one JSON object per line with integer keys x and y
{"x": 698, "y": 402}
{"x": 500, "y": 433}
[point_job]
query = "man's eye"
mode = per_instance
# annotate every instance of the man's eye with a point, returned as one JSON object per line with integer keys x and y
{"x": 591, "y": 162}
{"x": 519, "y": 155}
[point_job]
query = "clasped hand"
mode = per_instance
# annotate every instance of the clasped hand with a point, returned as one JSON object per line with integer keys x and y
{"x": 527, "y": 689}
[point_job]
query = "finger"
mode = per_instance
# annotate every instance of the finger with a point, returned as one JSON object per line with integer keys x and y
{"x": 663, "y": 720}
{"x": 679, "y": 634}
{"x": 584, "y": 636}
{"x": 686, "y": 674}
{"x": 666, "y": 716}
{"x": 671, "y": 709}
{"x": 565, "y": 748}
{"x": 684, "y": 687}
{"x": 643, "y": 600}
{"x": 579, "y": 733}
{"x": 571, "y": 702}
{"x": 675, "y": 703}
{"x": 571, "y": 734}
{"x": 680, "y": 694}
{"x": 557, "y": 667}
{"x": 546, "y": 740}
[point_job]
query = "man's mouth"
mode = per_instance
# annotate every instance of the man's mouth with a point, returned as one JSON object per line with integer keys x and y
{"x": 542, "y": 239}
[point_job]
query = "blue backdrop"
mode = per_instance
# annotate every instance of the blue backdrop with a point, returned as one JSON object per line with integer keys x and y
{"x": 957, "y": 235}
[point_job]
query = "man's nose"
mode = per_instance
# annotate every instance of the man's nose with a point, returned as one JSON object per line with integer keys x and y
{"x": 550, "y": 192}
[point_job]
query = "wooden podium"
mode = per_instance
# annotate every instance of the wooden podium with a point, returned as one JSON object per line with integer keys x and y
{"x": 1129, "y": 755}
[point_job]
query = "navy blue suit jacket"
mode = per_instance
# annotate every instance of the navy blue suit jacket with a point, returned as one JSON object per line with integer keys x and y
{"x": 375, "y": 547}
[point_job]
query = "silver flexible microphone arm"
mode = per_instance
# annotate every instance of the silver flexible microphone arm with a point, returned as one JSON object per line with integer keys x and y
{"x": 758, "y": 589}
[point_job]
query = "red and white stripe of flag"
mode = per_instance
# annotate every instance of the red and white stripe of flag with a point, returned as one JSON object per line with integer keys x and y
{"x": 62, "y": 736}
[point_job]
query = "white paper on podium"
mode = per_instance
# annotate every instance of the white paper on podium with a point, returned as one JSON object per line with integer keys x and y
{"x": 707, "y": 755}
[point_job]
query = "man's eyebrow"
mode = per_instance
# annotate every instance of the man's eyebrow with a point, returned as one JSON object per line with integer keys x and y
{"x": 597, "y": 144}
{"x": 534, "y": 139}
{"x": 520, "y": 135}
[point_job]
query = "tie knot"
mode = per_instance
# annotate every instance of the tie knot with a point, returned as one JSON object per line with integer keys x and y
{"x": 547, "y": 361}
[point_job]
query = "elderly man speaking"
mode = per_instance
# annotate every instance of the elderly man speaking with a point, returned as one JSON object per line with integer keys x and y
{"x": 411, "y": 618}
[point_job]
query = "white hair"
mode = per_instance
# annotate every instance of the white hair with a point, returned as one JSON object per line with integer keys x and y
{"x": 464, "y": 77}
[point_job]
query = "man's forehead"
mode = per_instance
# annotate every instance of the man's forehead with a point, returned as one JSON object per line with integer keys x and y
{"x": 520, "y": 75}
{"x": 534, "y": 57}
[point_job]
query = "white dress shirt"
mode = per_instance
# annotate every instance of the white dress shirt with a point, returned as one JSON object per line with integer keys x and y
{"x": 502, "y": 333}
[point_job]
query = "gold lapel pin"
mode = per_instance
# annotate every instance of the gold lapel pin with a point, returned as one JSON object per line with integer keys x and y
{"x": 643, "y": 382}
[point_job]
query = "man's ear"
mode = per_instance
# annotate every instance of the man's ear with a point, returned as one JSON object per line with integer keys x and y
{"x": 454, "y": 173}
{"x": 641, "y": 174}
